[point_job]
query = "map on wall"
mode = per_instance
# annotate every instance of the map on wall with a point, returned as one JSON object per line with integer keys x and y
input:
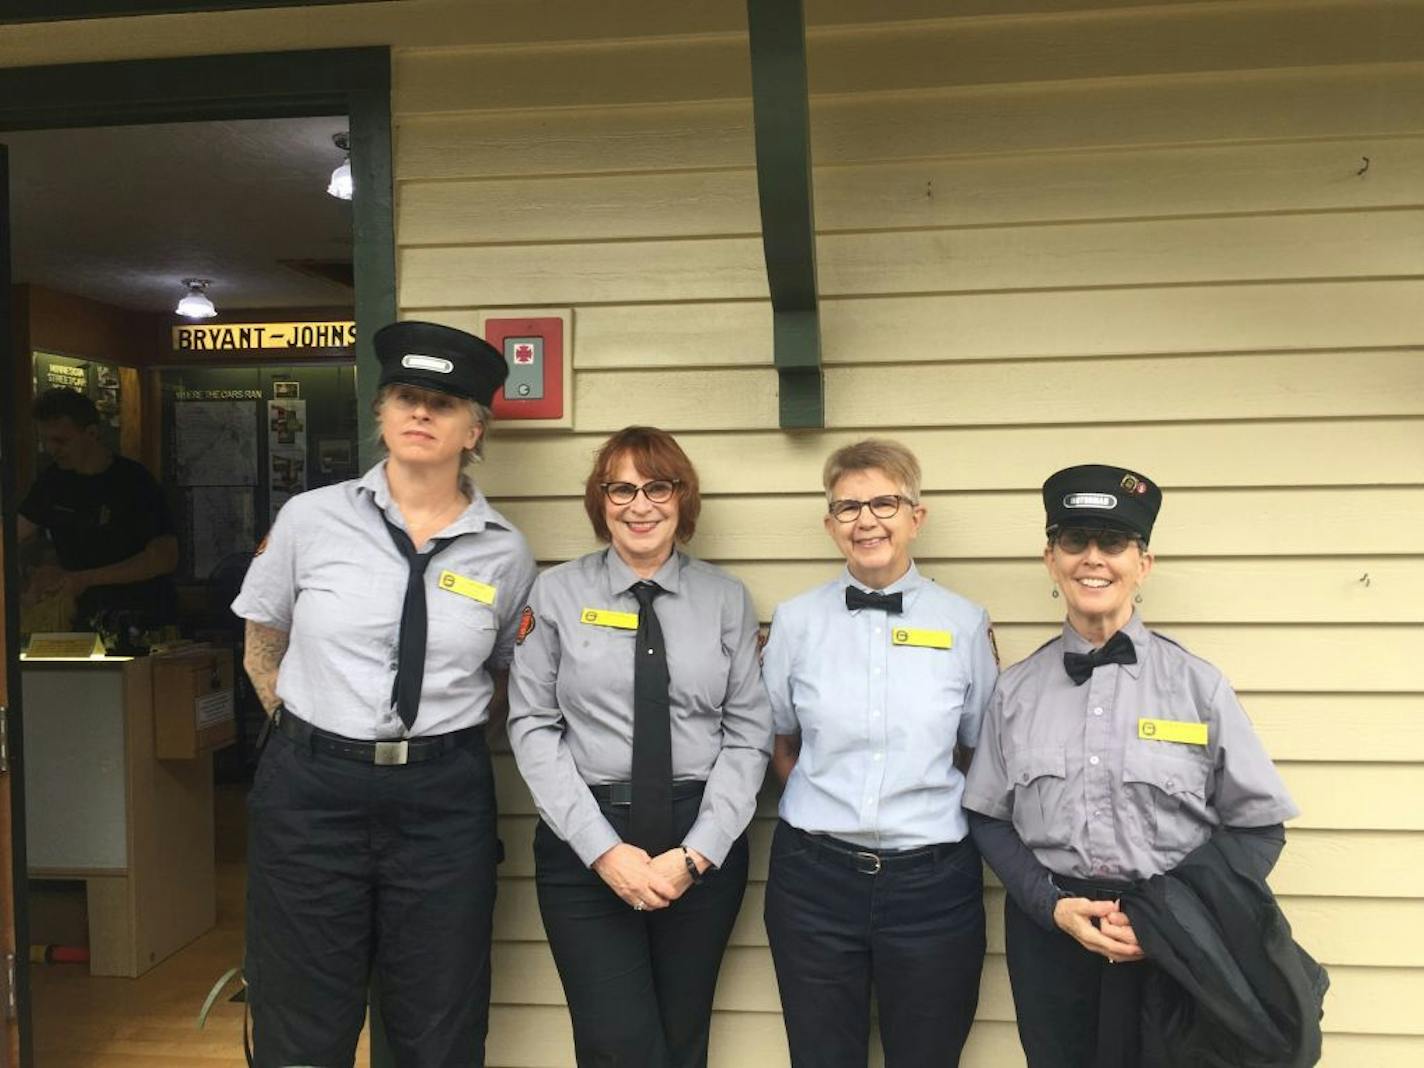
{"x": 221, "y": 523}
{"x": 216, "y": 443}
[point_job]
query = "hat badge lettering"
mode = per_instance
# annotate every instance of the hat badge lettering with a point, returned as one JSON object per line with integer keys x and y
{"x": 419, "y": 362}
{"x": 1104, "y": 501}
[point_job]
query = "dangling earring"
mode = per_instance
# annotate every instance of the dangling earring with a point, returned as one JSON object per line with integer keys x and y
{"x": 1138, "y": 598}
{"x": 1054, "y": 594}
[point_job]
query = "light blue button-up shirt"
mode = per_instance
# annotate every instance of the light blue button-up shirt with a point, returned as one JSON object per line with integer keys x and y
{"x": 878, "y": 721}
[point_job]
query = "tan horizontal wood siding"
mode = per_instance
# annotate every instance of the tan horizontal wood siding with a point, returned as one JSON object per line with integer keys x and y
{"x": 1185, "y": 236}
{"x": 1027, "y": 227}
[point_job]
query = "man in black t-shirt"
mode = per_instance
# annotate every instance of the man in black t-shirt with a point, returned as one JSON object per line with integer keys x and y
{"x": 106, "y": 519}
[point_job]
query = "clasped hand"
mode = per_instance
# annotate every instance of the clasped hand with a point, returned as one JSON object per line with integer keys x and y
{"x": 639, "y": 879}
{"x": 1111, "y": 936}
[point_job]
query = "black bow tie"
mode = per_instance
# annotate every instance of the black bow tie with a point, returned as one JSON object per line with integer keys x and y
{"x": 1118, "y": 650}
{"x": 885, "y": 602}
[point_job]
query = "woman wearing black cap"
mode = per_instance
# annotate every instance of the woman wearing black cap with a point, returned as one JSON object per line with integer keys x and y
{"x": 1106, "y": 757}
{"x": 381, "y": 616}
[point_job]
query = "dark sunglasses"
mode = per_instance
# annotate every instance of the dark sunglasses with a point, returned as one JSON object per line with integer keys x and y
{"x": 1109, "y": 542}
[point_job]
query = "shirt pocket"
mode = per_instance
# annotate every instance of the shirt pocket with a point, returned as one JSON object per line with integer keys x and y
{"x": 460, "y": 611}
{"x": 1167, "y": 790}
{"x": 1039, "y": 779}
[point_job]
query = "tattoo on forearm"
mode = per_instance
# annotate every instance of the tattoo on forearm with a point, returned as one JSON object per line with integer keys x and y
{"x": 263, "y": 656}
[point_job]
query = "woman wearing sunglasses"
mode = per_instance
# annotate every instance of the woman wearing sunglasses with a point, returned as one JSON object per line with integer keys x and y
{"x": 1107, "y": 756}
{"x": 639, "y": 721}
{"x": 878, "y": 680}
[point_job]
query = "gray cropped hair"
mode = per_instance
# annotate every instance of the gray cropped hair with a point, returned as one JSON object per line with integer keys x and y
{"x": 883, "y": 454}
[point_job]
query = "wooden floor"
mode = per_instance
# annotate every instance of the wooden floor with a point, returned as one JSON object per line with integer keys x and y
{"x": 149, "y": 1022}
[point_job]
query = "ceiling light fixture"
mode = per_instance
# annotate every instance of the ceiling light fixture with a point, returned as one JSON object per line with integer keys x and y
{"x": 195, "y": 303}
{"x": 341, "y": 185}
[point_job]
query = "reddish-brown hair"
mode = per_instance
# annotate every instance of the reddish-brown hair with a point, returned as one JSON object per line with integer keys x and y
{"x": 656, "y": 454}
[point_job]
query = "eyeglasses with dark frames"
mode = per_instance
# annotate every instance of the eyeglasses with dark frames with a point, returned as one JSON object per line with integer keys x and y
{"x": 658, "y": 490}
{"x": 885, "y": 507}
{"x": 1075, "y": 540}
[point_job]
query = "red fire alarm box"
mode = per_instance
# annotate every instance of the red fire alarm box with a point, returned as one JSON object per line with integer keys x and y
{"x": 536, "y": 348}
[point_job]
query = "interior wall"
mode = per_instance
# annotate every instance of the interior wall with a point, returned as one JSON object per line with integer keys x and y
{"x": 71, "y": 325}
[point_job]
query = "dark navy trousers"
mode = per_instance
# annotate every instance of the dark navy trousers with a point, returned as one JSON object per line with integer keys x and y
{"x": 913, "y": 933}
{"x": 354, "y": 868}
{"x": 639, "y": 984}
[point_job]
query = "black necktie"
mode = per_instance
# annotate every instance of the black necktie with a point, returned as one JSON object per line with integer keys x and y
{"x": 410, "y": 665}
{"x": 1118, "y": 650}
{"x": 885, "y": 602}
{"x": 650, "y": 820}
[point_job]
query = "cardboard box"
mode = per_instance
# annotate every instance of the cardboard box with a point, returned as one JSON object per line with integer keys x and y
{"x": 193, "y": 702}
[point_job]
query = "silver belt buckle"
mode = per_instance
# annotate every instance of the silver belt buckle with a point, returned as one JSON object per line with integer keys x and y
{"x": 867, "y": 857}
{"x": 391, "y": 753}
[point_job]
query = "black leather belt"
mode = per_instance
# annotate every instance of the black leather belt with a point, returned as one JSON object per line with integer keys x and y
{"x": 387, "y": 754}
{"x": 621, "y": 793}
{"x": 874, "y": 861}
{"x": 1092, "y": 889}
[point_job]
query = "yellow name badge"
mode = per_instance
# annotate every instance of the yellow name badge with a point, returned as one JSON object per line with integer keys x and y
{"x": 1171, "y": 730}
{"x": 467, "y": 587}
{"x": 602, "y": 617}
{"x": 925, "y": 639}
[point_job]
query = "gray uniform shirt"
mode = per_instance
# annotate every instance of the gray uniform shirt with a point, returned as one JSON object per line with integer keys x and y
{"x": 1087, "y": 777}
{"x": 879, "y": 701}
{"x": 331, "y": 577}
{"x": 571, "y": 696}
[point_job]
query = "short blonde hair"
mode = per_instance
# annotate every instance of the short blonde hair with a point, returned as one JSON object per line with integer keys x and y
{"x": 478, "y": 412}
{"x": 881, "y": 454}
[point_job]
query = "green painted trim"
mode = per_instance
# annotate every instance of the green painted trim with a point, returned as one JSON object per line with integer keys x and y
{"x": 9, "y": 509}
{"x": 353, "y": 82}
{"x": 62, "y": 10}
{"x": 260, "y": 85}
{"x": 782, "y": 113}
{"x": 372, "y": 221}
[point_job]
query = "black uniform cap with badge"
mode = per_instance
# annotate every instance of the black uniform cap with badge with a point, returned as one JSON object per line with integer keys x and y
{"x": 1100, "y": 497}
{"x": 440, "y": 358}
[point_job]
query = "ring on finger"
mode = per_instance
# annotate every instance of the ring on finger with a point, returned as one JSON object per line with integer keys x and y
{"x": 638, "y": 906}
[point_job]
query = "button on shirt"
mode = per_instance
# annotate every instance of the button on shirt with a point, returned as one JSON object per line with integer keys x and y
{"x": 571, "y": 697}
{"x": 334, "y": 580}
{"x": 1088, "y": 795}
{"x": 878, "y": 721}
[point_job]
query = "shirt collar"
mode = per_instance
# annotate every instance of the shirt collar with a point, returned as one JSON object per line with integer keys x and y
{"x": 1134, "y": 628}
{"x": 477, "y": 514}
{"x": 909, "y": 582}
{"x": 622, "y": 578}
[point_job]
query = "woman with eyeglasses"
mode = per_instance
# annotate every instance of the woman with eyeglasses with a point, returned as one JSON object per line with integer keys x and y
{"x": 1107, "y": 756}
{"x": 639, "y": 721}
{"x": 878, "y": 680}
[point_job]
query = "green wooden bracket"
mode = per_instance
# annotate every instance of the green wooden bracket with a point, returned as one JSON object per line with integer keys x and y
{"x": 782, "y": 114}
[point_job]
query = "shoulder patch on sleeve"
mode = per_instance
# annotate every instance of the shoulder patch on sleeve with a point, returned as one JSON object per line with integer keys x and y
{"x": 526, "y": 625}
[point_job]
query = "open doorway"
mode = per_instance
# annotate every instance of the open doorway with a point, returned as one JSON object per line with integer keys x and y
{"x": 128, "y": 860}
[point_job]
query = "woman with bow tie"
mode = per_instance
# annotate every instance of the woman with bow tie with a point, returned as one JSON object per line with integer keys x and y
{"x": 878, "y": 680}
{"x": 1107, "y": 756}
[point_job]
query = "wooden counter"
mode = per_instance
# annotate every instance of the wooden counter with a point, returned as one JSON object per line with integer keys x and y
{"x": 101, "y": 807}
